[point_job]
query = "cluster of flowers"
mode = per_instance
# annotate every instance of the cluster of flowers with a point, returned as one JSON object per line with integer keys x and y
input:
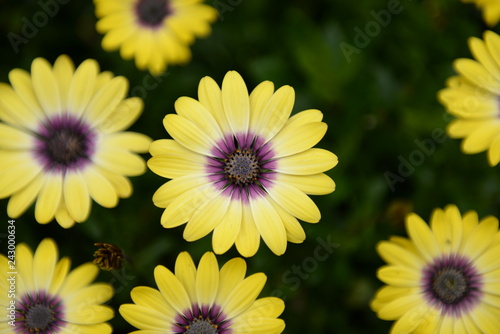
{"x": 241, "y": 167}
{"x": 446, "y": 278}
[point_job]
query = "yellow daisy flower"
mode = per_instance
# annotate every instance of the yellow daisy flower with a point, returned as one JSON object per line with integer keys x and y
{"x": 241, "y": 167}
{"x": 472, "y": 96}
{"x": 444, "y": 278}
{"x": 61, "y": 140}
{"x": 154, "y": 32}
{"x": 42, "y": 296}
{"x": 204, "y": 300}
{"x": 490, "y": 8}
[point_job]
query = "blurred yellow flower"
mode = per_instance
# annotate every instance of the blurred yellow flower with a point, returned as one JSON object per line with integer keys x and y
{"x": 444, "y": 278}
{"x": 154, "y": 32}
{"x": 241, "y": 166}
{"x": 490, "y": 8}
{"x": 472, "y": 96}
{"x": 62, "y": 140}
{"x": 48, "y": 298}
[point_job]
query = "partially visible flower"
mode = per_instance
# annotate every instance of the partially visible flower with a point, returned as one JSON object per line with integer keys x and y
{"x": 62, "y": 141}
{"x": 443, "y": 279}
{"x": 108, "y": 256}
{"x": 48, "y": 298}
{"x": 241, "y": 166}
{"x": 154, "y": 32}
{"x": 490, "y": 8}
{"x": 204, "y": 300}
{"x": 472, "y": 97}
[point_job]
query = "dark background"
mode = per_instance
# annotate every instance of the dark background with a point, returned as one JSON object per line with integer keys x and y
{"x": 379, "y": 106}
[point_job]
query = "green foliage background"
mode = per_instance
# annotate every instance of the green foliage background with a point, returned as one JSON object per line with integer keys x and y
{"x": 377, "y": 106}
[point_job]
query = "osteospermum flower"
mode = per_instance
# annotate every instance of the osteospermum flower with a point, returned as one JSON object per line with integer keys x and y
{"x": 490, "y": 8}
{"x": 472, "y": 96}
{"x": 240, "y": 166}
{"x": 204, "y": 300}
{"x": 443, "y": 279}
{"x": 154, "y": 32}
{"x": 46, "y": 298}
{"x": 61, "y": 140}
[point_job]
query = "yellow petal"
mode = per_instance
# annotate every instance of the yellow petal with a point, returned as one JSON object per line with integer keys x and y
{"x": 132, "y": 141}
{"x": 477, "y": 73}
{"x": 396, "y": 255}
{"x": 196, "y": 112}
{"x": 173, "y": 164}
{"x": 26, "y": 280}
{"x": 100, "y": 189}
{"x": 120, "y": 161}
{"x": 292, "y": 140}
{"x": 174, "y": 188}
{"x": 268, "y": 307}
{"x": 269, "y": 224}
{"x": 78, "y": 278}
{"x": 146, "y": 318}
{"x": 244, "y": 294}
{"x": 399, "y": 276}
{"x": 81, "y": 87}
{"x": 45, "y": 86}
{"x": 23, "y": 86}
{"x": 315, "y": 184}
{"x": 44, "y": 263}
{"x": 123, "y": 116}
{"x": 207, "y": 216}
{"x": 227, "y": 231}
{"x": 188, "y": 134}
{"x": 294, "y": 201}
{"x": 64, "y": 70}
{"x": 104, "y": 102}
{"x": 398, "y": 307}
{"x": 311, "y": 161}
{"x": 294, "y": 231}
{"x": 207, "y": 279}
{"x": 21, "y": 200}
{"x": 14, "y": 111}
{"x": 60, "y": 273}
{"x": 231, "y": 274}
{"x": 248, "y": 240}
{"x": 236, "y": 102}
{"x": 171, "y": 289}
{"x": 422, "y": 236}
{"x": 258, "y": 100}
{"x": 152, "y": 299}
{"x": 182, "y": 208}
{"x": 76, "y": 196}
{"x": 483, "y": 55}
{"x": 209, "y": 94}
{"x": 480, "y": 238}
{"x": 185, "y": 271}
{"x": 481, "y": 139}
{"x": 494, "y": 151}
{"x": 49, "y": 197}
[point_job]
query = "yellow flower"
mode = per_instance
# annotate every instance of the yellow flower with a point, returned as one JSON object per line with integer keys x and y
{"x": 490, "y": 8}
{"x": 45, "y": 297}
{"x": 241, "y": 167}
{"x": 204, "y": 300}
{"x": 154, "y": 32}
{"x": 444, "y": 278}
{"x": 472, "y": 96}
{"x": 61, "y": 140}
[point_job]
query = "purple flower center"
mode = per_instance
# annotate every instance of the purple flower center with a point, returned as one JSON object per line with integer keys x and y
{"x": 242, "y": 166}
{"x": 151, "y": 13}
{"x": 202, "y": 320}
{"x": 452, "y": 283}
{"x": 64, "y": 142}
{"x": 39, "y": 313}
